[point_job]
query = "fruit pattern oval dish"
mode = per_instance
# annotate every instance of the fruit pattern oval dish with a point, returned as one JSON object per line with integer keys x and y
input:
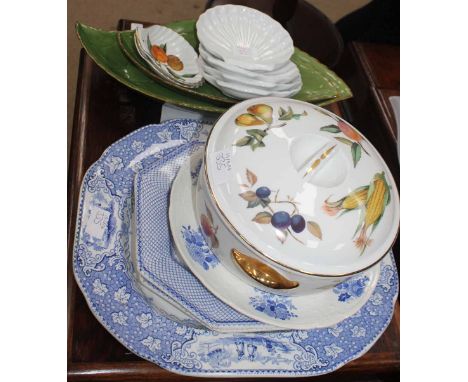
{"x": 103, "y": 271}
{"x": 299, "y": 190}
{"x": 169, "y": 54}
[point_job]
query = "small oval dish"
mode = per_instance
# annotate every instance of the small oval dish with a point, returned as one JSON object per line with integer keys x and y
{"x": 244, "y": 37}
{"x": 295, "y": 187}
{"x": 169, "y": 54}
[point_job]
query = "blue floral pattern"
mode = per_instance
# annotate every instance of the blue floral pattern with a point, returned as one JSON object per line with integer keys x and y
{"x": 273, "y": 305}
{"x": 198, "y": 248}
{"x": 351, "y": 288}
{"x": 198, "y": 352}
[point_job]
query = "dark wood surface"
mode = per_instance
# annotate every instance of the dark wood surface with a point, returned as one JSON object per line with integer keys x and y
{"x": 105, "y": 111}
{"x": 373, "y": 73}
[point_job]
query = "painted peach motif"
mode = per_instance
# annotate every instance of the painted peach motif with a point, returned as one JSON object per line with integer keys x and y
{"x": 208, "y": 228}
{"x": 174, "y": 62}
{"x": 158, "y": 53}
{"x": 349, "y": 131}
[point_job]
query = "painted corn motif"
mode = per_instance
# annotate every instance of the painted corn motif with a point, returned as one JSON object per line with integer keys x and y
{"x": 286, "y": 223}
{"x": 371, "y": 200}
{"x": 262, "y": 115}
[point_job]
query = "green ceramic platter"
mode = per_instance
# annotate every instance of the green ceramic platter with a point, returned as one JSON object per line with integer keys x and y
{"x": 116, "y": 54}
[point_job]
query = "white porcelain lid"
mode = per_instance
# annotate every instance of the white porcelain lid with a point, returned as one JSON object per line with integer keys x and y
{"x": 301, "y": 186}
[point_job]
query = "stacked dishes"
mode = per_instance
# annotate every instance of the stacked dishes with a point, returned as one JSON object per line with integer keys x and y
{"x": 246, "y": 54}
{"x": 181, "y": 228}
{"x": 169, "y": 55}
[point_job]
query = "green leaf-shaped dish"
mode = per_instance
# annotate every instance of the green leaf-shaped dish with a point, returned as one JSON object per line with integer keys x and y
{"x": 116, "y": 54}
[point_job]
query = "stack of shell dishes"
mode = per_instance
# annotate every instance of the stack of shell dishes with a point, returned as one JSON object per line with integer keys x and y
{"x": 169, "y": 55}
{"x": 246, "y": 54}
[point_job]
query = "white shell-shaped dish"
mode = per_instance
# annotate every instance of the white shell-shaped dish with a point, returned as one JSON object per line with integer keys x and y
{"x": 251, "y": 82}
{"x": 241, "y": 91}
{"x": 290, "y": 158}
{"x": 244, "y": 37}
{"x": 286, "y": 73}
{"x": 176, "y": 45}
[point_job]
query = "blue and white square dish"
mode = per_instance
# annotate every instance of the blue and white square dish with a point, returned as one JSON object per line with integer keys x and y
{"x": 104, "y": 274}
{"x": 156, "y": 259}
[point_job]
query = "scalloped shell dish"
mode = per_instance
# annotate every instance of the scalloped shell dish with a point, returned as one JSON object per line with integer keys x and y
{"x": 244, "y": 37}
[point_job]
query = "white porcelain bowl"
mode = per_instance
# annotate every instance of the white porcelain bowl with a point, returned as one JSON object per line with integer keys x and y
{"x": 298, "y": 192}
{"x": 244, "y": 37}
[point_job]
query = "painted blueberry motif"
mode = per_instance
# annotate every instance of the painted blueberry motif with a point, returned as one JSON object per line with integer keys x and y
{"x": 298, "y": 223}
{"x": 287, "y": 222}
{"x": 281, "y": 220}
{"x": 263, "y": 192}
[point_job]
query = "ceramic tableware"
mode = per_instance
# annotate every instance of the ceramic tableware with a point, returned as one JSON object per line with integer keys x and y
{"x": 237, "y": 45}
{"x": 156, "y": 298}
{"x": 299, "y": 198}
{"x": 251, "y": 83}
{"x": 244, "y": 37}
{"x": 157, "y": 263}
{"x": 287, "y": 73}
{"x": 101, "y": 265}
{"x": 241, "y": 91}
{"x": 318, "y": 308}
{"x": 170, "y": 53}
{"x": 116, "y": 54}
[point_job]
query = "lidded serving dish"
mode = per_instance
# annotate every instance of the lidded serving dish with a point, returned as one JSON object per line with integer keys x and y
{"x": 292, "y": 197}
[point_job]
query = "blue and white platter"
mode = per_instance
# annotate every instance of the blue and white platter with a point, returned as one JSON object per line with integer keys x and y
{"x": 104, "y": 272}
{"x": 156, "y": 259}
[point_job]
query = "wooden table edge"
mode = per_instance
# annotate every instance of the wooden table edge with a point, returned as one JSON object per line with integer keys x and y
{"x": 75, "y": 175}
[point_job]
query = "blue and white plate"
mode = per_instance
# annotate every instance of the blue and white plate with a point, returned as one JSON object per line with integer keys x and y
{"x": 157, "y": 261}
{"x": 103, "y": 270}
{"x": 317, "y": 309}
